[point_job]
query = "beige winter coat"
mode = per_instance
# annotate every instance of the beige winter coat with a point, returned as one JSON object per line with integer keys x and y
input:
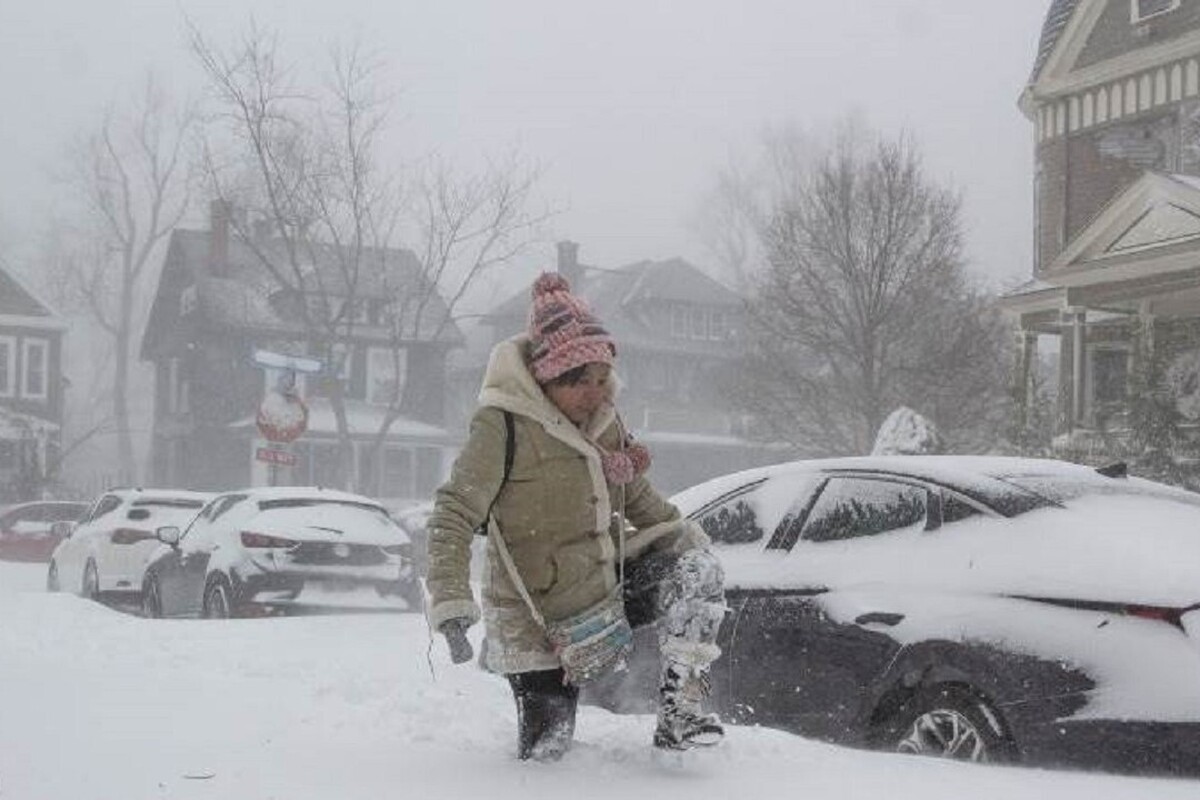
{"x": 555, "y": 514}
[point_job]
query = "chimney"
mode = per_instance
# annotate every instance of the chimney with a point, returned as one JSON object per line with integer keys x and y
{"x": 219, "y": 212}
{"x": 568, "y": 264}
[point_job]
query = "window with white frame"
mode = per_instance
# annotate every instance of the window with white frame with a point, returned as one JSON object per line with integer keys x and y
{"x": 8, "y": 366}
{"x": 679, "y": 321}
{"x": 34, "y": 373}
{"x": 1141, "y": 10}
{"x": 718, "y": 326}
{"x": 386, "y": 368}
{"x": 177, "y": 387}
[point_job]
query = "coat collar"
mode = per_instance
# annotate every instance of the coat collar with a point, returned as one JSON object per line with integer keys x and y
{"x": 509, "y": 385}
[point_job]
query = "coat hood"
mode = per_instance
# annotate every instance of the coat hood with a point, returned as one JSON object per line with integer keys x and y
{"x": 508, "y": 384}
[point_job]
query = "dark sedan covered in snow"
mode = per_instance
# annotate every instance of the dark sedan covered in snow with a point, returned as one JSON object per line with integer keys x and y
{"x": 987, "y": 609}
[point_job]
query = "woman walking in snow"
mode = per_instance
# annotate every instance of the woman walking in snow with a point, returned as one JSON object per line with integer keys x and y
{"x": 549, "y": 468}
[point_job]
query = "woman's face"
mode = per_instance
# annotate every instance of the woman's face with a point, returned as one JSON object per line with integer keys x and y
{"x": 580, "y": 400}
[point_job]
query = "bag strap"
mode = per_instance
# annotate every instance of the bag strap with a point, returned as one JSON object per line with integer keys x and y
{"x": 510, "y": 452}
{"x": 511, "y": 567}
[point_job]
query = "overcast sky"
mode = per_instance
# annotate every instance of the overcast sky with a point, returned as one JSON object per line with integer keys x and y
{"x": 630, "y": 107}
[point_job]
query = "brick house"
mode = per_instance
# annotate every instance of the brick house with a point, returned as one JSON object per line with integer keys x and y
{"x": 1114, "y": 99}
{"x": 216, "y": 305}
{"x": 676, "y": 330}
{"x": 31, "y": 390}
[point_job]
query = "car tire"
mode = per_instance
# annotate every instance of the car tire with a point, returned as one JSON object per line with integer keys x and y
{"x": 948, "y": 721}
{"x": 152, "y": 600}
{"x": 218, "y": 599}
{"x": 89, "y": 586}
{"x": 52, "y": 582}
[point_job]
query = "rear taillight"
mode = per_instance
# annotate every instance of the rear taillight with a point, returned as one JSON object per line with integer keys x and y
{"x": 1171, "y": 616}
{"x": 251, "y": 539}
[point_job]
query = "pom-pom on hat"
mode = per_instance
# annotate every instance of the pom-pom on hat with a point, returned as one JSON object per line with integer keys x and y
{"x": 563, "y": 334}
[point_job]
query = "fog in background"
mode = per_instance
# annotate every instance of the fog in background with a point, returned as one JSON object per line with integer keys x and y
{"x": 629, "y": 107}
{"x": 631, "y": 110}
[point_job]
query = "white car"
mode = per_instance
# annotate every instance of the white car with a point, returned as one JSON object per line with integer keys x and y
{"x": 106, "y": 552}
{"x": 255, "y": 549}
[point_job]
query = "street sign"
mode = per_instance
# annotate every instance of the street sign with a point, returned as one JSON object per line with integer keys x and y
{"x": 281, "y": 458}
{"x": 265, "y": 358}
{"x": 282, "y": 417}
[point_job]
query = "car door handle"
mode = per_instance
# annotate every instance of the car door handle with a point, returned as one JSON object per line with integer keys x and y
{"x": 882, "y": 617}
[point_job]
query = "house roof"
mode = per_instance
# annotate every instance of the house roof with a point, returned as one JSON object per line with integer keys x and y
{"x": 625, "y": 300}
{"x": 19, "y": 305}
{"x": 246, "y": 295}
{"x": 1057, "y": 18}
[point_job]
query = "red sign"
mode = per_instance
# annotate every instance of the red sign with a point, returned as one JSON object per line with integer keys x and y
{"x": 282, "y": 417}
{"x": 280, "y": 458}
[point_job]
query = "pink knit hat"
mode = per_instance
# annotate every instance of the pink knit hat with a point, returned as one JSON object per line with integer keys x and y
{"x": 563, "y": 334}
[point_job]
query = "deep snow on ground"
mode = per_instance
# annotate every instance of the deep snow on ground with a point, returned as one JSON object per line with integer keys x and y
{"x": 99, "y": 704}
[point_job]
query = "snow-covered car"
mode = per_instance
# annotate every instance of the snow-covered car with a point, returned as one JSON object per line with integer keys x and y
{"x": 27, "y": 530}
{"x": 987, "y": 609}
{"x": 258, "y": 548}
{"x": 104, "y": 556}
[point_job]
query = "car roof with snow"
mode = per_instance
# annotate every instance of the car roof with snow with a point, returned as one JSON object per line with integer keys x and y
{"x": 139, "y": 494}
{"x": 981, "y": 476}
{"x": 267, "y": 493}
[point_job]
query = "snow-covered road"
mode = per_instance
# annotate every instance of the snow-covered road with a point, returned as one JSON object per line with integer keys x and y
{"x": 98, "y": 704}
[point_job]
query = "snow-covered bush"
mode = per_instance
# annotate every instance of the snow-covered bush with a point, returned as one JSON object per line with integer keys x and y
{"x": 907, "y": 433}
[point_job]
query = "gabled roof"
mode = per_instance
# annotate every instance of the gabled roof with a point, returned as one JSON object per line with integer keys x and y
{"x": 20, "y": 306}
{"x": 1087, "y": 43}
{"x": 623, "y": 298}
{"x": 245, "y": 295}
{"x": 1052, "y": 29}
{"x": 1151, "y": 227}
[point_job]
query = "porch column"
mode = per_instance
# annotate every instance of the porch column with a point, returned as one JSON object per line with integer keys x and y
{"x": 1078, "y": 319}
{"x": 1022, "y": 387}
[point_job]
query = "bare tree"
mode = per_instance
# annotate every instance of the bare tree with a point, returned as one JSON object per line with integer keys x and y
{"x": 133, "y": 180}
{"x": 864, "y": 305}
{"x": 308, "y": 161}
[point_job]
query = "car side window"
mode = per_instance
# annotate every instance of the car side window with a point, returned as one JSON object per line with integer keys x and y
{"x": 734, "y": 521}
{"x": 852, "y": 507}
{"x": 107, "y": 505}
{"x": 760, "y": 512}
{"x": 954, "y": 509}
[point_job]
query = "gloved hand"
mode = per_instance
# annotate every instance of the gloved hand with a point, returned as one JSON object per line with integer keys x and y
{"x": 455, "y": 631}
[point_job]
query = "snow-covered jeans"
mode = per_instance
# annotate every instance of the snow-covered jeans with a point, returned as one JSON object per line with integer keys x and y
{"x": 683, "y": 594}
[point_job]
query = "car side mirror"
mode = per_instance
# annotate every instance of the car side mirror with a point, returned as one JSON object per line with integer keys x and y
{"x": 62, "y": 529}
{"x": 168, "y": 534}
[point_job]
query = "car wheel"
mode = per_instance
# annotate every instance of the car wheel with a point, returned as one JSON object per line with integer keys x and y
{"x": 89, "y": 587}
{"x": 949, "y": 721}
{"x": 52, "y": 584}
{"x": 218, "y": 599}
{"x": 151, "y": 600}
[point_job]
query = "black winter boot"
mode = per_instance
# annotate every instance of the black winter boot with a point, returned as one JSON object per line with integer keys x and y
{"x": 545, "y": 714}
